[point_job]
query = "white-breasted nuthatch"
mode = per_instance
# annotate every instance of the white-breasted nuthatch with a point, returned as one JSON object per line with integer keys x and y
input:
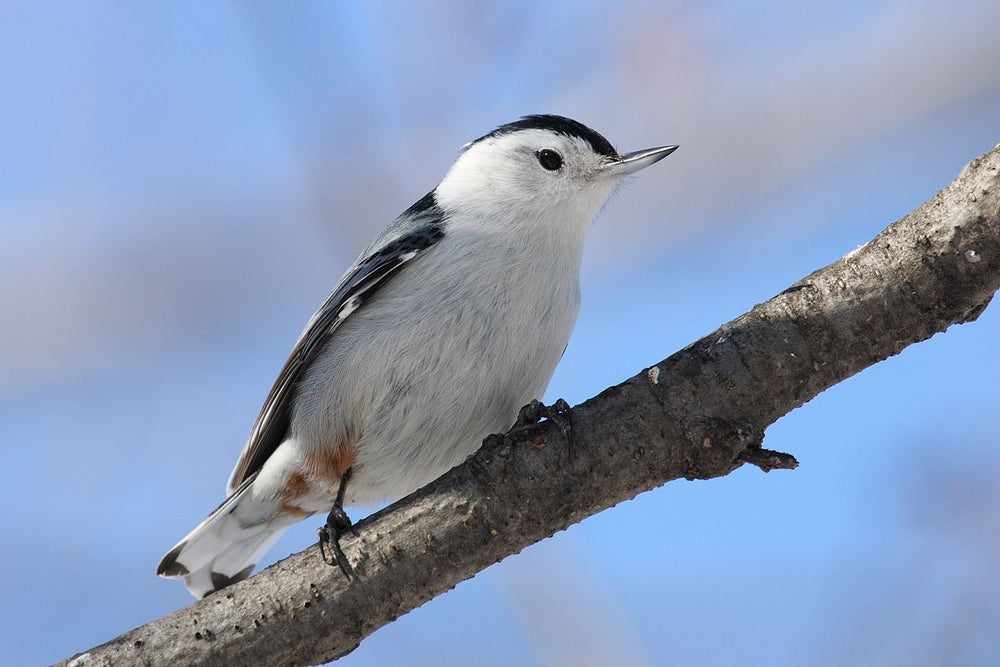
{"x": 445, "y": 326}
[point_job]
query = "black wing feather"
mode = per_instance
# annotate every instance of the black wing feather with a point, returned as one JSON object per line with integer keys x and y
{"x": 419, "y": 228}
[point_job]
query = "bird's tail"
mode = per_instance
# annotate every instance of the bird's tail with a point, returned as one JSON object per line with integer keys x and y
{"x": 226, "y": 546}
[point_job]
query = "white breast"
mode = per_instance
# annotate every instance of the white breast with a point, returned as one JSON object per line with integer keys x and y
{"x": 445, "y": 354}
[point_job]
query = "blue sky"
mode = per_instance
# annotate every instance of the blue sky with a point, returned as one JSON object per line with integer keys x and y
{"x": 183, "y": 184}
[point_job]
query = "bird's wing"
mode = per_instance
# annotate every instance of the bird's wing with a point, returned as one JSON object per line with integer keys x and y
{"x": 416, "y": 230}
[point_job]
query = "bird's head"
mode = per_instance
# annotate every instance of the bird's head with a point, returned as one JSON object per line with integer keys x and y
{"x": 541, "y": 169}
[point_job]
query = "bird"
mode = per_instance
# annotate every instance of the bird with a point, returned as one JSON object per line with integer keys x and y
{"x": 449, "y": 323}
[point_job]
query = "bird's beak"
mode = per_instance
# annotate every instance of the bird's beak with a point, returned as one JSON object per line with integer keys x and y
{"x": 633, "y": 162}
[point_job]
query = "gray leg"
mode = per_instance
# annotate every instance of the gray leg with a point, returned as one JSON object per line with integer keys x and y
{"x": 337, "y": 523}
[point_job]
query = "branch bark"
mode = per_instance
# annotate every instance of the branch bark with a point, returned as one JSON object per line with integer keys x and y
{"x": 700, "y": 413}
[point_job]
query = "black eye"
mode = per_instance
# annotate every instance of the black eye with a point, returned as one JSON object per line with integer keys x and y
{"x": 549, "y": 159}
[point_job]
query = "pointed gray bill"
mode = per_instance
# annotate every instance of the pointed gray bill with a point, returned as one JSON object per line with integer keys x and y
{"x": 633, "y": 162}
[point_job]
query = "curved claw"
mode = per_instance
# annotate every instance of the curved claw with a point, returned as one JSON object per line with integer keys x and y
{"x": 337, "y": 523}
{"x": 560, "y": 413}
{"x": 324, "y": 539}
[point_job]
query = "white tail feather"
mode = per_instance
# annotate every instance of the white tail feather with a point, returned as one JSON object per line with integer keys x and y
{"x": 227, "y": 545}
{"x": 234, "y": 563}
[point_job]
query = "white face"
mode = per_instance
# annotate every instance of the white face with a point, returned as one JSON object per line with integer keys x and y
{"x": 529, "y": 175}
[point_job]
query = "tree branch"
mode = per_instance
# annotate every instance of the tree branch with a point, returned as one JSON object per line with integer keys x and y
{"x": 698, "y": 414}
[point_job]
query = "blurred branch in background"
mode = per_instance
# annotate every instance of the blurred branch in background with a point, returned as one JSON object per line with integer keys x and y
{"x": 698, "y": 414}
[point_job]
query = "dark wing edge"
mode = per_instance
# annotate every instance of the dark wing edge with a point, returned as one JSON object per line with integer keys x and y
{"x": 417, "y": 230}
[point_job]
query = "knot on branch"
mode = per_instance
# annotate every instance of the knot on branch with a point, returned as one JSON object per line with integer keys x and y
{"x": 768, "y": 459}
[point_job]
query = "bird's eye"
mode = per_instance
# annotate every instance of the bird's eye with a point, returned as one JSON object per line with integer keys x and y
{"x": 549, "y": 159}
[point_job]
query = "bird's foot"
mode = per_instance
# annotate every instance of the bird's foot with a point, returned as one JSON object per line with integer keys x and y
{"x": 559, "y": 413}
{"x": 337, "y": 523}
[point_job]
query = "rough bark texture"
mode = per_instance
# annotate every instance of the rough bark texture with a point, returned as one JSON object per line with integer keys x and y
{"x": 700, "y": 413}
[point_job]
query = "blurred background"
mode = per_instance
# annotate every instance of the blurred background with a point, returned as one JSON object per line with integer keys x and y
{"x": 182, "y": 183}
